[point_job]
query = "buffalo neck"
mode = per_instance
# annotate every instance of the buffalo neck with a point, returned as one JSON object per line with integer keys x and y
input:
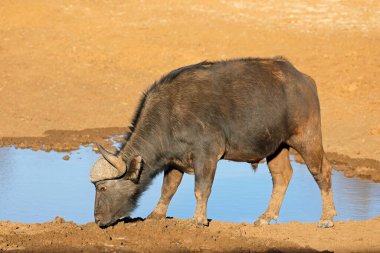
{"x": 150, "y": 148}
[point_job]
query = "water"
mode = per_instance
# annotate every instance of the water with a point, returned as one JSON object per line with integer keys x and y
{"x": 36, "y": 186}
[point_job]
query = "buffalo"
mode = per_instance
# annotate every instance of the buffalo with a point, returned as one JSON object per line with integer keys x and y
{"x": 242, "y": 110}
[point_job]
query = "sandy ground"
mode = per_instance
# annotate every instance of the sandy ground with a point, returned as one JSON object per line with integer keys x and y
{"x": 75, "y": 65}
{"x": 71, "y": 73}
{"x": 175, "y": 235}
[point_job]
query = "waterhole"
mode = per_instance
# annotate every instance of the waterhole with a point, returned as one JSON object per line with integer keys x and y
{"x": 36, "y": 186}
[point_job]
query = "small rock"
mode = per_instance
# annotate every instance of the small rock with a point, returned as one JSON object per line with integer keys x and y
{"x": 58, "y": 220}
{"x": 66, "y": 157}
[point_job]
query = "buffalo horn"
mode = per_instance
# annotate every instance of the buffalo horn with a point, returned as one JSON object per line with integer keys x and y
{"x": 114, "y": 160}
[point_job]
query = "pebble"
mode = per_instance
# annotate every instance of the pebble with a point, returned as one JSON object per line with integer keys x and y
{"x": 58, "y": 220}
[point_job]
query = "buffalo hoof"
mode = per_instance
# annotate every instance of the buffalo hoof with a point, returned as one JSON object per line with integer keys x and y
{"x": 325, "y": 224}
{"x": 156, "y": 216}
{"x": 201, "y": 222}
{"x": 261, "y": 222}
{"x": 265, "y": 219}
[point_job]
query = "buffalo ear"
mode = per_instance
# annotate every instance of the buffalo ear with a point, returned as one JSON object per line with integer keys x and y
{"x": 134, "y": 169}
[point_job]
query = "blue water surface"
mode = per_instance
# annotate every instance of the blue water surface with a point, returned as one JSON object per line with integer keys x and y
{"x": 36, "y": 186}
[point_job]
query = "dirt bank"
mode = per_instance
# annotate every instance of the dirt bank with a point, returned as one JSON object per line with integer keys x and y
{"x": 83, "y": 65}
{"x": 175, "y": 235}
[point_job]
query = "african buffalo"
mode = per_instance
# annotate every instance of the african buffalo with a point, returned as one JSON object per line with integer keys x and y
{"x": 241, "y": 110}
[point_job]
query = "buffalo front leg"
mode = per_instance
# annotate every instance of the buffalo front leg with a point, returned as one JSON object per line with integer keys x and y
{"x": 172, "y": 179}
{"x": 281, "y": 171}
{"x": 204, "y": 177}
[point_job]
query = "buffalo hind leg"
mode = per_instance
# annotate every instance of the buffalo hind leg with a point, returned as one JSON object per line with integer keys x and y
{"x": 281, "y": 171}
{"x": 204, "y": 177}
{"x": 172, "y": 179}
{"x": 320, "y": 168}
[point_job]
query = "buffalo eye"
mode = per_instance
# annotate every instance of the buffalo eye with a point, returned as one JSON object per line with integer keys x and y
{"x": 102, "y": 188}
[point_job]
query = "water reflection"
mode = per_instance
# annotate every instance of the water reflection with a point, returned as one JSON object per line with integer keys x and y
{"x": 6, "y": 175}
{"x": 36, "y": 186}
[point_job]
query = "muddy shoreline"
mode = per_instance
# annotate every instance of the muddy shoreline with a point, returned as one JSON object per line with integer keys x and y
{"x": 178, "y": 235}
{"x": 66, "y": 141}
{"x": 63, "y": 140}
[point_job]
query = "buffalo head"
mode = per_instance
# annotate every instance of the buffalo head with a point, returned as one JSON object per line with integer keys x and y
{"x": 116, "y": 186}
